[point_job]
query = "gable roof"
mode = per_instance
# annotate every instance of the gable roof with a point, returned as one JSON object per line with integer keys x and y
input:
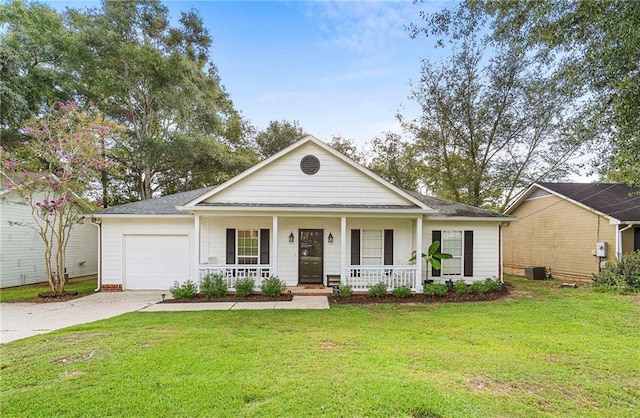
{"x": 309, "y": 139}
{"x": 447, "y": 208}
{"x": 616, "y": 201}
{"x": 165, "y": 205}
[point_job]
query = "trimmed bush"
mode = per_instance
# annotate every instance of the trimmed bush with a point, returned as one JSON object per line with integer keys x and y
{"x": 186, "y": 290}
{"x": 623, "y": 275}
{"x": 272, "y": 287}
{"x": 345, "y": 291}
{"x": 401, "y": 292}
{"x": 478, "y": 287}
{"x": 213, "y": 286}
{"x": 244, "y": 287}
{"x": 435, "y": 289}
{"x": 461, "y": 287}
{"x": 378, "y": 290}
{"x": 492, "y": 285}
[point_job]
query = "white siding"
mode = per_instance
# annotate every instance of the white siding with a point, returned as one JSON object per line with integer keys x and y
{"x": 213, "y": 239}
{"x": 485, "y": 246}
{"x": 282, "y": 181}
{"x": 22, "y": 250}
{"x": 114, "y": 231}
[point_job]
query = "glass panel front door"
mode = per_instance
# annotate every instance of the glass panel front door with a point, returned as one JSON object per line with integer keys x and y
{"x": 310, "y": 253}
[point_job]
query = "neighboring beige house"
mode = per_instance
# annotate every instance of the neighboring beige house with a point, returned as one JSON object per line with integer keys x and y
{"x": 310, "y": 216}
{"x": 571, "y": 228}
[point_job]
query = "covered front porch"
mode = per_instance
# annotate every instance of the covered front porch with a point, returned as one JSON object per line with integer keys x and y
{"x": 310, "y": 249}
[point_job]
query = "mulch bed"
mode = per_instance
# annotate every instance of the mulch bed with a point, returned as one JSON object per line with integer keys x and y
{"x": 47, "y": 297}
{"x": 451, "y": 296}
{"x": 233, "y": 298}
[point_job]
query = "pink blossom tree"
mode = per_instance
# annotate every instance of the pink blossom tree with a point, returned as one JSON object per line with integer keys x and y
{"x": 56, "y": 174}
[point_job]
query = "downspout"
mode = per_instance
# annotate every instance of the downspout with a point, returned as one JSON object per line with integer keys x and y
{"x": 98, "y": 223}
{"x": 619, "y": 240}
{"x": 501, "y": 251}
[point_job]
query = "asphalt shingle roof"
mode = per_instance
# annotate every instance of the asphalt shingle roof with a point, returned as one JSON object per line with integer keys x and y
{"x": 616, "y": 200}
{"x": 448, "y": 208}
{"x": 165, "y": 205}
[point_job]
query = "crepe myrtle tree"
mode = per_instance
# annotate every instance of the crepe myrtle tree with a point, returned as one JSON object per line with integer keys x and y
{"x": 56, "y": 174}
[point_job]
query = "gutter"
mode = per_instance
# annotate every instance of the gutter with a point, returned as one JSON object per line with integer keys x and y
{"x": 98, "y": 223}
{"x": 619, "y": 239}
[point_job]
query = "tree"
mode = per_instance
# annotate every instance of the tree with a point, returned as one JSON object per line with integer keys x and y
{"x": 348, "y": 148}
{"x": 159, "y": 82}
{"x": 277, "y": 136}
{"x": 489, "y": 128}
{"x": 396, "y": 161}
{"x": 593, "y": 47}
{"x": 55, "y": 173}
{"x": 31, "y": 45}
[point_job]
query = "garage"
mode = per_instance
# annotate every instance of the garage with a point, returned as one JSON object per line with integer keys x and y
{"x": 154, "y": 262}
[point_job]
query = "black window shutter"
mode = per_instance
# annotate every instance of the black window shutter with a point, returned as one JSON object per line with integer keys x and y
{"x": 468, "y": 253}
{"x": 355, "y": 247}
{"x": 231, "y": 246}
{"x": 264, "y": 246}
{"x": 388, "y": 247}
{"x": 435, "y": 236}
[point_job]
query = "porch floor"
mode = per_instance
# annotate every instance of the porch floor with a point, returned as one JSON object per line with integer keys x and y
{"x": 303, "y": 291}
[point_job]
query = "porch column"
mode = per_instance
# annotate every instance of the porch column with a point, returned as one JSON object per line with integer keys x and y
{"x": 419, "y": 254}
{"x": 274, "y": 247}
{"x": 196, "y": 244}
{"x": 343, "y": 249}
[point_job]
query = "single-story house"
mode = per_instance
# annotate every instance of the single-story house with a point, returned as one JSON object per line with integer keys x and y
{"x": 308, "y": 215}
{"x": 22, "y": 250}
{"x": 572, "y": 228}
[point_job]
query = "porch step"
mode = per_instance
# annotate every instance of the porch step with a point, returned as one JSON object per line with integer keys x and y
{"x": 302, "y": 291}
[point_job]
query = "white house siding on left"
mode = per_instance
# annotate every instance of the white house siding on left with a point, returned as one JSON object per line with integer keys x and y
{"x": 485, "y": 247}
{"x": 114, "y": 236}
{"x": 22, "y": 250}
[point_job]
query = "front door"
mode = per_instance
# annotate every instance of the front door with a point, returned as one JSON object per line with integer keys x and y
{"x": 310, "y": 253}
{"x": 636, "y": 239}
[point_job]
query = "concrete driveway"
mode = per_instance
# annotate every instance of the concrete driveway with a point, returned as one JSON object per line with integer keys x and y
{"x": 22, "y": 320}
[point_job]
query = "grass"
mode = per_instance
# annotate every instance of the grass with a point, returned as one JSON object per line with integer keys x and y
{"x": 542, "y": 351}
{"x": 15, "y": 294}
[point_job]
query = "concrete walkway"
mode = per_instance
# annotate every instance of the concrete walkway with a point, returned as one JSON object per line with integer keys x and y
{"x": 22, "y": 320}
{"x": 298, "y": 302}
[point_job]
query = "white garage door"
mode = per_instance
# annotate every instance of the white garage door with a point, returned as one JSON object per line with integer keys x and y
{"x": 154, "y": 262}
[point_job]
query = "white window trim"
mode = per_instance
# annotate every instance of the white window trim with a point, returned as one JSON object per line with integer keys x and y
{"x": 257, "y": 257}
{"x": 362, "y": 257}
{"x": 460, "y": 257}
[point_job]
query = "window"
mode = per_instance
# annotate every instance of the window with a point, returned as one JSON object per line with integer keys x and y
{"x": 248, "y": 246}
{"x": 372, "y": 247}
{"x": 452, "y": 244}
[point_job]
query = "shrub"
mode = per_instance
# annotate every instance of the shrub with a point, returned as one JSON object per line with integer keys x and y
{"x": 345, "y": 291}
{"x": 187, "y": 290}
{"x": 244, "y": 287}
{"x": 272, "y": 287}
{"x": 492, "y": 285}
{"x": 461, "y": 287}
{"x": 477, "y": 287}
{"x": 213, "y": 286}
{"x": 623, "y": 275}
{"x": 435, "y": 289}
{"x": 378, "y": 290}
{"x": 401, "y": 292}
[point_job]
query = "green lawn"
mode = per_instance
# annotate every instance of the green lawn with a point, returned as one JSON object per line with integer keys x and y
{"x": 14, "y": 294}
{"x": 542, "y": 351}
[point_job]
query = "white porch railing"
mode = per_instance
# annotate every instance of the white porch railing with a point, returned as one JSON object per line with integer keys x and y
{"x": 234, "y": 272}
{"x": 363, "y": 277}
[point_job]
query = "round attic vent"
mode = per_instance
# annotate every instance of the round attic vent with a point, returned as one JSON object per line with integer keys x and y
{"x": 310, "y": 164}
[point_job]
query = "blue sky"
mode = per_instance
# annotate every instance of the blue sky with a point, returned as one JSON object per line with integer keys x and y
{"x": 337, "y": 67}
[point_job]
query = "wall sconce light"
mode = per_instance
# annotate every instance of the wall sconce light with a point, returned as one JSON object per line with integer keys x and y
{"x": 291, "y": 237}
{"x": 330, "y": 238}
